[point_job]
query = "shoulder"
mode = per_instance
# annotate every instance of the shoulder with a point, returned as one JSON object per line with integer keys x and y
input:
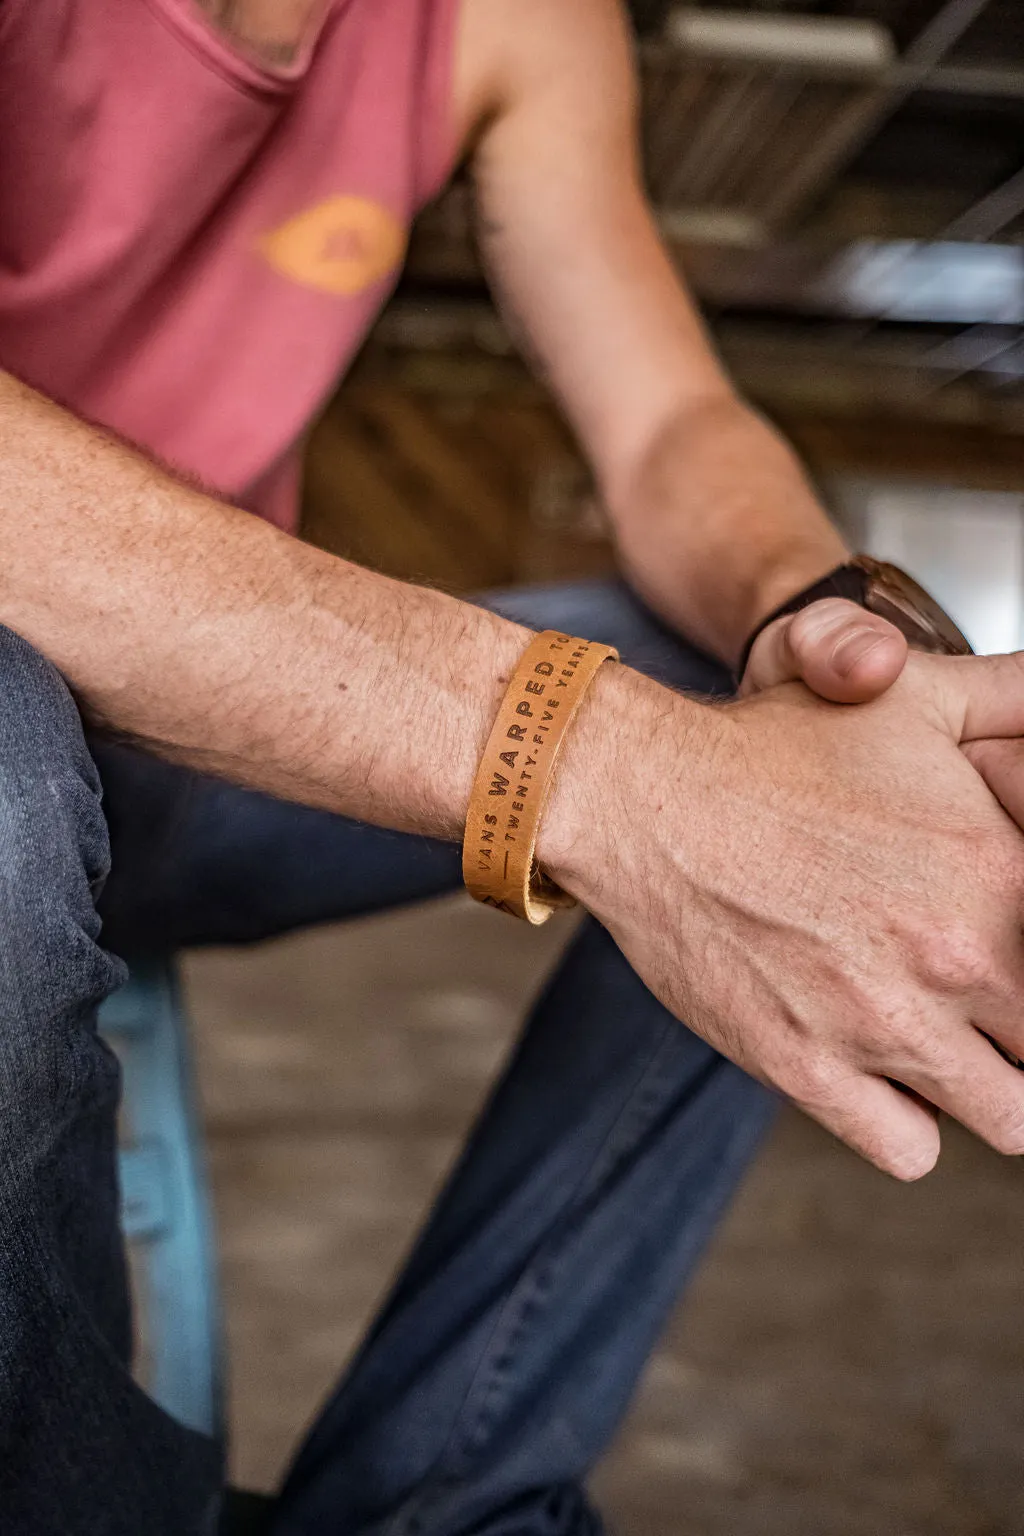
{"x": 510, "y": 53}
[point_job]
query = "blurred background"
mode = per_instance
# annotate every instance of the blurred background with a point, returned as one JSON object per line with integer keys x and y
{"x": 844, "y": 185}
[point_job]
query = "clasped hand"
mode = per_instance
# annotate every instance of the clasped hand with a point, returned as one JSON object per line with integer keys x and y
{"x": 832, "y": 895}
{"x": 847, "y": 655}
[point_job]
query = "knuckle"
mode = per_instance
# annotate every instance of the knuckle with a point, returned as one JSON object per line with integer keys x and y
{"x": 955, "y": 958}
{"x": 894, "y": 1032}
{"x": 815, "y": 1081}
{"x": 880, "y": 1027}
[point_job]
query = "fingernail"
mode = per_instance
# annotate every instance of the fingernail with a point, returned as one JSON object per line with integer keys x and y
{"x": 823, "y": 617}
{"x": 914, "y": 1165}
{"x": 852, "y": 648}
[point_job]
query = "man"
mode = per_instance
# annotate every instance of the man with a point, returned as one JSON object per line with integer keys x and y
{"x": 201, "y": 208}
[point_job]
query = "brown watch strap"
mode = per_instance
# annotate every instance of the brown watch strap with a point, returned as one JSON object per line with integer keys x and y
{"x": 515, "y": 775}
{"x": 849, "y": 581}
{"x": 884, "y": 589}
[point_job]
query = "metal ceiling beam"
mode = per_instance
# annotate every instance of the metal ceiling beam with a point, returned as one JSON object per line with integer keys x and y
{"x": 853, "y": 128}
{"x": 1000, "y": 84}
{"x": 943, "y": 32}
{"x": 752, "y": 53}
{"x": 994, "y": 81}
{"x": 991, "y": 214}
{"x": 841, "y": 45}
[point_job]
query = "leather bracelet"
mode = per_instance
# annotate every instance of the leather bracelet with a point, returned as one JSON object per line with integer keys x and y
{"x": 515, "y": 775}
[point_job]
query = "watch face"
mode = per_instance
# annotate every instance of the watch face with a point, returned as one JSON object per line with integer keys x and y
{"x": 895, "y": 596}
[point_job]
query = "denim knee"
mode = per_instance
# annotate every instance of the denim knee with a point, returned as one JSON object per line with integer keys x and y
{"x": 53, "y": 859}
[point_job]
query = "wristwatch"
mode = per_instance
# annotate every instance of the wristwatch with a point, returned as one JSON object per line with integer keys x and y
{"x": 883, "y": 589}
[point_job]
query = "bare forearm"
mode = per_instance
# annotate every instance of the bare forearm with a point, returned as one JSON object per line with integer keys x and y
{"x": 717, "y": 524}
{"x": 202, "y": 632}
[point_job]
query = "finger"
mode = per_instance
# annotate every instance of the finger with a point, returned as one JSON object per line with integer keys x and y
{"x": 1001, "y": 765}
{"x": 837, "y": 648}
{"x": 885, "y": 1126}
{"x": 1001, "y": 1023}
{"x": 985, "y": 694}
{"x": 971, "y": 1081}
{"x": 771, "y": 661}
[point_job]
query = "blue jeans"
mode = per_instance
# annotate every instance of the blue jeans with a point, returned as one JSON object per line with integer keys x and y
{"x": 506, "y": 1353}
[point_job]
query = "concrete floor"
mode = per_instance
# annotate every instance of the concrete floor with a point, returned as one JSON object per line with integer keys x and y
{"x": 850, "y": 1362}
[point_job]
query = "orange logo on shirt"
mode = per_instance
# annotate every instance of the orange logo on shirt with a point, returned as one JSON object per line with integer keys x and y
{"x": 341, "y": 245}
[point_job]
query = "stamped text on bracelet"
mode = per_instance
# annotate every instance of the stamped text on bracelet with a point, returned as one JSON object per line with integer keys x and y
{"x": 515, "y": 773}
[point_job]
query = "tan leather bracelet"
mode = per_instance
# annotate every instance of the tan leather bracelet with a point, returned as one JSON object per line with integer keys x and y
{"x": 512, "y": 784}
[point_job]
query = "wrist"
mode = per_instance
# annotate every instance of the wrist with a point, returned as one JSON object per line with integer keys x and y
{"x": 630, "y": 739}
{"x": 790, "y": 572}
{"x": 717, "y": 525}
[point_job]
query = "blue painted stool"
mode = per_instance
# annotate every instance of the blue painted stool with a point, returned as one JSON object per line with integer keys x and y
{"x": 166, "y": 1210}
{"x": 165, "y": 1204}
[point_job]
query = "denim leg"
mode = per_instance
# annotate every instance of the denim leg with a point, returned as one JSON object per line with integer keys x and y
{"x": 509, "y": 1348}
{"x": 83, "y": 1452}
{"x": 511, "y": 1344}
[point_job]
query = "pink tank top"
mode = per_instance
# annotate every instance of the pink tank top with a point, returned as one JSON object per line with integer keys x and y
{"x": 192, "y": 247}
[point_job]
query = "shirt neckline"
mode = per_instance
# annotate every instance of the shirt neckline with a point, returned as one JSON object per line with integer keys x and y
{"x": 232, "y": 60}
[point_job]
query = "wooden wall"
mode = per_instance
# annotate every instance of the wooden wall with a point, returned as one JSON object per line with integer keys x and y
{"x": 439, "y": 472}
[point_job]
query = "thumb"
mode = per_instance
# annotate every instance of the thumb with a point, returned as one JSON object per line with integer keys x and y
{"x": 840, "y": 650}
